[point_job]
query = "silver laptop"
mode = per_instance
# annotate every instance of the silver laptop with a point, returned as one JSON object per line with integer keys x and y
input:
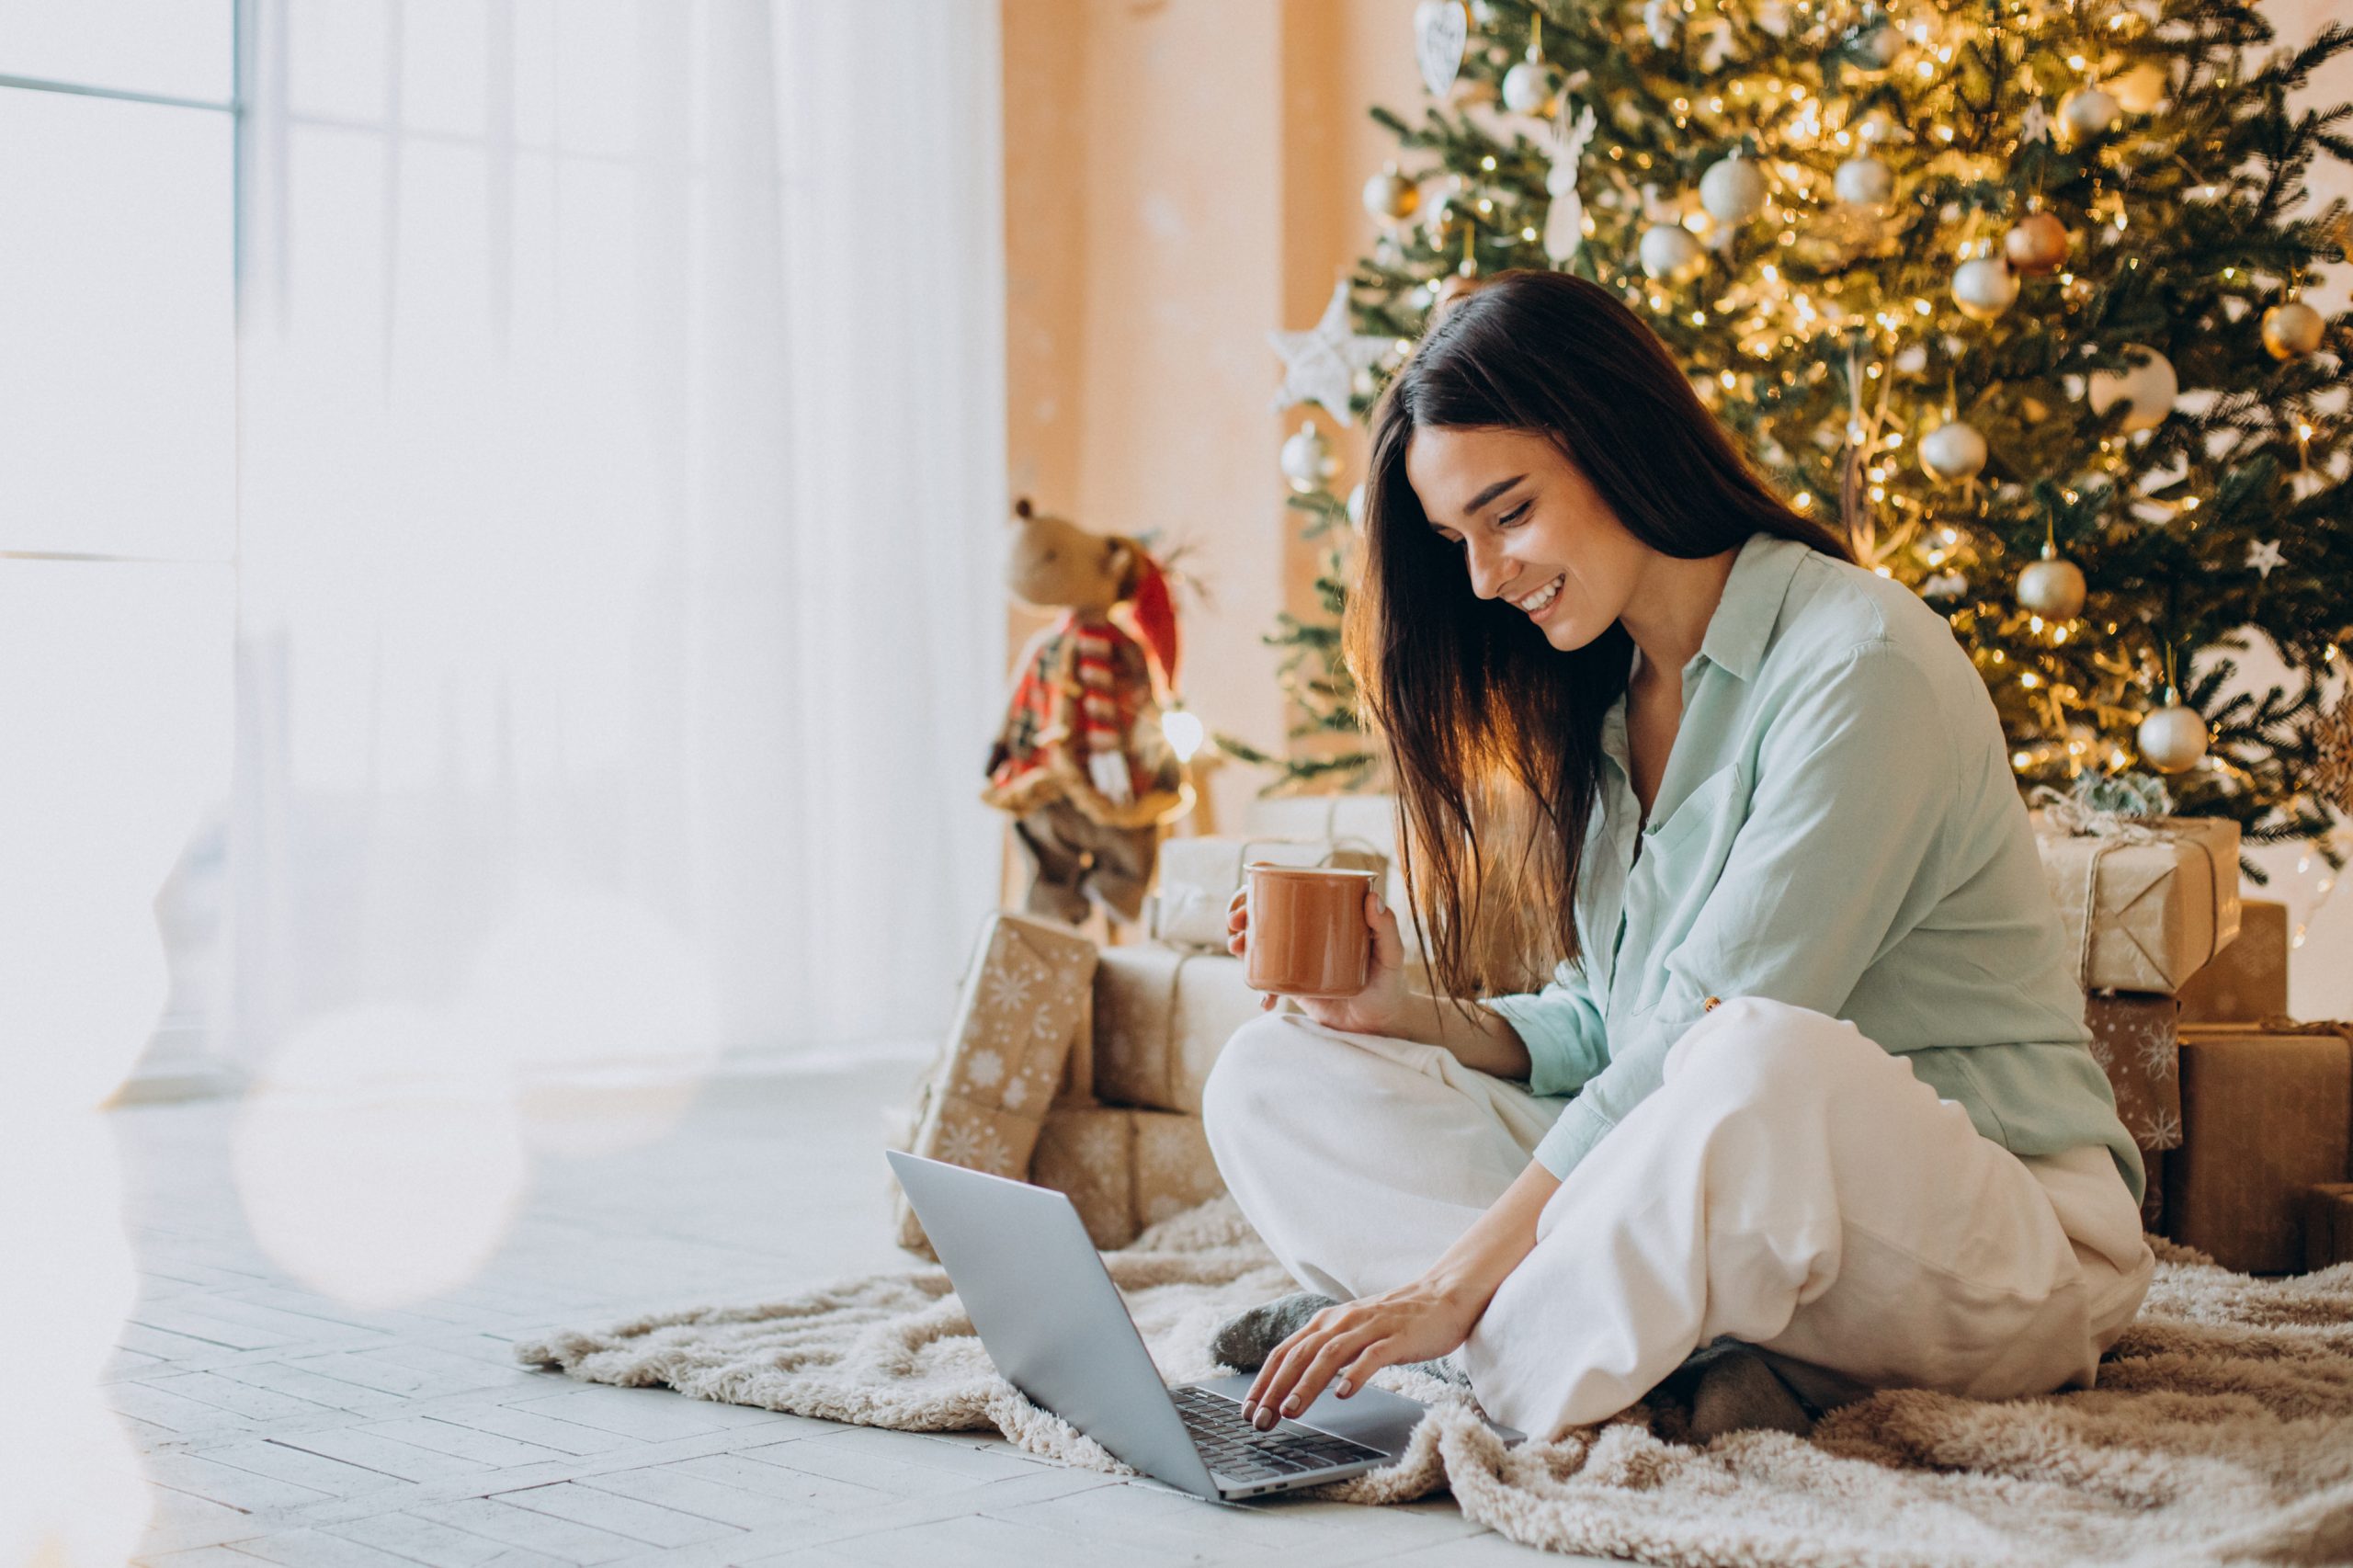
{"x": 1054, "y": 1324}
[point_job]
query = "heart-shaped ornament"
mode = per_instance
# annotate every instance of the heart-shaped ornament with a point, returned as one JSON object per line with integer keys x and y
{"x": 1441, "y": 29}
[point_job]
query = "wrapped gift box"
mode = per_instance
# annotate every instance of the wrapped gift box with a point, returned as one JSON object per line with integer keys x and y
{"x": 1124, "y": 1168}
{"x": 2268, "y": 1115}
{"x": 1161, "y": 1017}
{"x": 987, "y": 1093}
{"x": 2328, "y": 1225}
{"x": 2134, "y": 1039}
{"x": 2146, "y": 909}
{"x": 1198, "y": 876}
{"x": 2247, "y": 982}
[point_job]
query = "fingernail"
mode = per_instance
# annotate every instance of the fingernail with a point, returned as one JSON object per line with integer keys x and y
{"x": 1342, "y": 1387}
{"x": 1249, "y": 1410}
{"x": 1264, "y": 1420}
{"x": 1291, "y": 1406}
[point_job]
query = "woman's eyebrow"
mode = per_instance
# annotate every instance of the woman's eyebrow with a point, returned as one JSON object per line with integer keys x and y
{"x": 1488, "y": 494}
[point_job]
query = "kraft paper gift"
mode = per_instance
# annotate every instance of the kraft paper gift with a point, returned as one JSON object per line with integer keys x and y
{"x": 2135, "y": 1041}
{"x": 1124, "y": 1168}
{"x": 2247, "y": 982}
{"x": 987, "y": 1093}
{"x": 1161, "y": 1017}
{"x": 2328, "y": 1225}
{"x": 2146, "y": 905}
{"x": 1371, "y": 818}
{"x": 1198, "y": 878}
{"x": 2268, "y": 1115}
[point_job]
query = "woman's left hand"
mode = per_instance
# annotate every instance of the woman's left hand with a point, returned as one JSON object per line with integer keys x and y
{"x": 1345, "y": 1344}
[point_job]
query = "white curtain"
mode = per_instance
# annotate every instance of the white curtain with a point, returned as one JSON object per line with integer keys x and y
{"x": 621, "y": 484}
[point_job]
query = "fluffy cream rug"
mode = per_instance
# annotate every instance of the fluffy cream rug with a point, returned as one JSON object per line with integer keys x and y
{"x": 2222, "y": 1430}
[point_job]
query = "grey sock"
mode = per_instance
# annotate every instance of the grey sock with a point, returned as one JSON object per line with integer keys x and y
{"x": 1243, "y": 1340}
{"x": 1737, "y": 1391}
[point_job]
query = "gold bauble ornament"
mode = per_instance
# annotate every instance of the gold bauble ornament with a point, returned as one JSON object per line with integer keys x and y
{"x": 2173, "y": 738}
{"x": 2292, "y": 329}
{"x": 2037, "y": 244}
{"x": 2051, "y": 587}
{"x": 1984, "y": 287}
{"x": 1391, "y": 197}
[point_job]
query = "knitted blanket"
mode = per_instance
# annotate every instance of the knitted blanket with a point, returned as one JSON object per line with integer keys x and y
{"x": 2222, "y": 1430}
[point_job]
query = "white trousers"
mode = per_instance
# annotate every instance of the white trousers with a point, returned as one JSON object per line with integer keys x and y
{"x": 1790, "y": 1185}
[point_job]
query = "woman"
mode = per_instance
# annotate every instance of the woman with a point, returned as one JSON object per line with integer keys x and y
{"x": 1773, "y": 781}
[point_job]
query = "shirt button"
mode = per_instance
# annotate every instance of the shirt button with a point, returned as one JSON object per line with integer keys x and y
{"x": 1712, "y": 1004}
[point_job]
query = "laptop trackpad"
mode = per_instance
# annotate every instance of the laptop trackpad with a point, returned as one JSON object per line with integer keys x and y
{"x": 1372, "y": 1416}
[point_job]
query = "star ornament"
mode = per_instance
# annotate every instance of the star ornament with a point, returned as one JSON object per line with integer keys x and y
{"x": 1320, "y": 365}
{"x": 2263, "y": 555}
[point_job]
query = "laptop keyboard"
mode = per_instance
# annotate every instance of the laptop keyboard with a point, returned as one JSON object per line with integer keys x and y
{"x": 1233, "y": 1447}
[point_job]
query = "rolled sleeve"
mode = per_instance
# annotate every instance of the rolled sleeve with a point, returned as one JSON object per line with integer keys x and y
{"x": 1561, "y": 1028}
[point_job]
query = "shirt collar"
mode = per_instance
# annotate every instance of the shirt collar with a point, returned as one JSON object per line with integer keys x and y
{"x": 1743, "y": 621}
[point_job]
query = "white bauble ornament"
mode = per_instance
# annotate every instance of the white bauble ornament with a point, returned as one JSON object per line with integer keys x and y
{"x": 2292, "y": 329}
{"x": 2087, "y": 112}
{"x": 1733, "y": 191}
{"x": 1773, "y": 16}
{"x": 1391, "y": 197}
{"x": 1953, "y": 451}
{"x": 1307, "y": 459}
{"x": 1864, "y": 182}
{"x": 1875, "y": 45}
{"x": 1984, "y": 287}
{"x": 1441, "y": 29}
{"x": 1670, "y": 252}
{"x": 1527, "y": 86}
{"x": 2173, "y": 738}
{"x": 2148, "y": 388}
{"x": 2052, "y": 587}
{"x": 2141, "y": 89}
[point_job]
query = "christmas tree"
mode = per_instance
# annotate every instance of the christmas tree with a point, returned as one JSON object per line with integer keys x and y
{"x": 2011, "y": 288}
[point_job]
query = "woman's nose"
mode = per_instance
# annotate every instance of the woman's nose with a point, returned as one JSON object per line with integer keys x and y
{"x": 1490, "y": 571}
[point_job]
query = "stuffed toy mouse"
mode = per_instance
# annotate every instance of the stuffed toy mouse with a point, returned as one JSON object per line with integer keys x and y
{"x": 1081, "y": 762}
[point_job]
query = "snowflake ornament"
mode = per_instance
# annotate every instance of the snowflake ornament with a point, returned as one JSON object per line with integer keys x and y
{"x": 2034, "y": 125}
{"x": 2263, "y": 556}
{"x": 1321, "y": 364}
{"x": 2332, "y": 772}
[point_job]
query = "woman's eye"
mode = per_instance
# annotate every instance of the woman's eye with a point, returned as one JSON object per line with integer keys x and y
{"x": 1513, "y": 518}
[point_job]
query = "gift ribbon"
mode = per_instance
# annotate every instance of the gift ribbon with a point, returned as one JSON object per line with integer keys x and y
{"x": 2114, "y": 829}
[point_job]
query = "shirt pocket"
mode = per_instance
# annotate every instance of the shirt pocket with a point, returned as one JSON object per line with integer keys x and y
{"x": 1707, "y": 807}
{"x": 1680, "y": 861}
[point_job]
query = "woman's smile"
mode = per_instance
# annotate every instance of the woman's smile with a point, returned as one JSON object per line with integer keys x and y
{"x": 1541, "y": 601}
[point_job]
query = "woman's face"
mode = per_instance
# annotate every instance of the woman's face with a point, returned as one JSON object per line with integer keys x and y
{"x": 1533, "y": 531}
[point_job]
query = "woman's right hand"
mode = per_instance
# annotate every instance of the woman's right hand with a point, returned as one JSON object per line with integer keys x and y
{"x": 1380, "y": 1008}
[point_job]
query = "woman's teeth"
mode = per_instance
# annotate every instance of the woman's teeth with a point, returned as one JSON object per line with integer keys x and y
{"x": 1541, "y": 600}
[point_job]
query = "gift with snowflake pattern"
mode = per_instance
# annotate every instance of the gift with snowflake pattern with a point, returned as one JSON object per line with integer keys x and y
{"x": 1124, "y": 1168}
{"x": 1025, "y": 1002}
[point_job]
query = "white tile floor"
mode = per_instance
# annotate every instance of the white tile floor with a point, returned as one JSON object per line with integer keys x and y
{"x": 278, "y": 1426}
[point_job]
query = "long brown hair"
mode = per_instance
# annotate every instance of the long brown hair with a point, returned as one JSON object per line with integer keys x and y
{"x": 1493, "y": 735}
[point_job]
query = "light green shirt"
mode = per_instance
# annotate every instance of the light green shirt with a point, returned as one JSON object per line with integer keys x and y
{"x": 1837, "y": 828}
